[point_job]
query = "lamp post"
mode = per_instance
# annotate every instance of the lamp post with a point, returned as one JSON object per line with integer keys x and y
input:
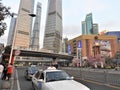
{"x": 14, "y": 35}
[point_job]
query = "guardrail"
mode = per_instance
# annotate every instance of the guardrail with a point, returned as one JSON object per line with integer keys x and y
{"x": 105, "y": 76}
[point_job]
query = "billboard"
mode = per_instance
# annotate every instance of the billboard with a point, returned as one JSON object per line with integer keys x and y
{"x": 80, "y": 44}
{"x": 105, "y": 48}
{"x": 69, "y": 49}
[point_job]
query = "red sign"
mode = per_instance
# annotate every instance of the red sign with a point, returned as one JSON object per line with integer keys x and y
{"x": 17, "y": 52}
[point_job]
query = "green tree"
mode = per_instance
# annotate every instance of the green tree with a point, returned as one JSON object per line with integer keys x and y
{"x": 4, "y": 13}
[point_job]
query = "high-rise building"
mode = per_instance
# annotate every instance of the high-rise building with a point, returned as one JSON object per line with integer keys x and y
{"x": 23, "y": 24}
{"x": 36, "y": 29}
{"x": 84, "y": 30}
{"x": 65, "y": 45}
{"x": 89, "y": 23}
{"x": 95, "y": 28}
{"x": 11, "y": 31}
{"x": 88, "y": 27}
{"x": 53, "y": 29}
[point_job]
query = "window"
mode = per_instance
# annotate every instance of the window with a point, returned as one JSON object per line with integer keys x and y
{"x": 42, "y": 76}
{"x": 37, "y": 75}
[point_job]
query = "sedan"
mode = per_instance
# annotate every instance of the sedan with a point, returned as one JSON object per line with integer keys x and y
{"x": 30, "y": 71}
{"x": 53, "y": 79}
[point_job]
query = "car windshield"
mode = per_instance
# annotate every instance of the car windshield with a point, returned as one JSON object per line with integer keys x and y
{"x": 33, "y": 69}
{"x": 57, "y": 76}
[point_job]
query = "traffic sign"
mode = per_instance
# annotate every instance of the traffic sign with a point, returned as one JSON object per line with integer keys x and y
{"x": 17, "y": 52}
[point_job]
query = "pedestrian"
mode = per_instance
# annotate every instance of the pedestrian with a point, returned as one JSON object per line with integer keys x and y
{"x": 5, "y": 72}
{"x": 55, "y": 63}
{"x": 1, "y": 70}
{"x": 9, "y": 71}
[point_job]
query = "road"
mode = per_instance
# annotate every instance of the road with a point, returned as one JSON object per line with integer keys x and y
{"x": 26, "y": 85}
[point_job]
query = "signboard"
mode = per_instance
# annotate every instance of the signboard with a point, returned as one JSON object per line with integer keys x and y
{"x": 17, "y": 52}
{"x": 69, "y": 49}
{"x": 80, "y": 44}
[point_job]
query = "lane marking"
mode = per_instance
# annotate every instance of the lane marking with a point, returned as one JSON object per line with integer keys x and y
{"x": 18, "y": 83}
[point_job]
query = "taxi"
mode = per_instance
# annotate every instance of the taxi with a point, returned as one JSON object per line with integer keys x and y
{"x": 54, "y": 79}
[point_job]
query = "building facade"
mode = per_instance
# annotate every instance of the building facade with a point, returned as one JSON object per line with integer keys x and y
{"x": 23, "y": 25}
{"x": 11, "y": 31}
{"x": 115, "y": 33}
{"x": 87, "y": 44}
{"x": 36, "y": 29}
{"x": 53, "y": 28}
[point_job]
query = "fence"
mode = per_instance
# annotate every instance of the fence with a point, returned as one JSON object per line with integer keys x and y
{"x": 105, "y": 76}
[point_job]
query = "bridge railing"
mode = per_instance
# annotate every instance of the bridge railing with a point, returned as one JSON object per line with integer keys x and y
{"x": 104, "y": 76}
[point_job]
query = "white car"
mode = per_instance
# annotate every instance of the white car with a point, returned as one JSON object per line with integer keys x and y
{"x": 53, "y": 79}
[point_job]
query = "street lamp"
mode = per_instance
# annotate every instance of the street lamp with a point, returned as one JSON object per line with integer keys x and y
{"x": 12, "y": 47}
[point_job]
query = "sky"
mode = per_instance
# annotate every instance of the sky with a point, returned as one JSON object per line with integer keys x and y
{"x": 106, "y": 13}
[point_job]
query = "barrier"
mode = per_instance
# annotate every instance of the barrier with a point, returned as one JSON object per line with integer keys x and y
{"x": 111, "y": 77}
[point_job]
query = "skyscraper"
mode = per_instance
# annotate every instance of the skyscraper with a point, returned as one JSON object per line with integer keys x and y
{"x": 53, "y": 29}
{"x": 65, "y": 45}
{"x": 89, "y": 23}
{"x": 11, "y": 31}
{"x": 36, "y": 29}
{"x": 23, "y": 24}
{"x": 88, "y": 27}
{"x": 95, "y": 28}
{"x": 84, "y": 30}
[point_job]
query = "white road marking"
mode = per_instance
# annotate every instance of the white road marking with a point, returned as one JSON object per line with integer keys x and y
{"x": 18, "y": 84}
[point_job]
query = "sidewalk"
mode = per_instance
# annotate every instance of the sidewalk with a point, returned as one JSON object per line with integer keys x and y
{"x": 9, "y": 85}
{"x": 5, "y": 85}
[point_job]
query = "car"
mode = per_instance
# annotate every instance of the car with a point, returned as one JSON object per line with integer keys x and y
{"x": 30, "y": 71}
{"x": 54, "y": 79}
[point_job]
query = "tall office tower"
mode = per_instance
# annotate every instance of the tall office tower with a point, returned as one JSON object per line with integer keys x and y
{"x": 36, "y": 29}
{"x": 65, "y": 45}
{"x": 88, "y": 27}
{"x": 89, "y": 23}
{"x": 53, "y": 29}
{"x": 95, "y": 28}
{"x": 11, "y": 31}
{"x": 23, "y": 24}
{"x": 84, "y": 30}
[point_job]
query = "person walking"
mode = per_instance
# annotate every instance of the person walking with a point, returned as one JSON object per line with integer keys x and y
{"x": 1, "y": 70}
{"x": 9, "y": 71}
{"x": 55, "y": 63}
{"x": 5, "y": 72}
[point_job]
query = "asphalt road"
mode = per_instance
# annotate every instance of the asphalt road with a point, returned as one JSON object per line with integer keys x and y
{"x": 27, "y": 85}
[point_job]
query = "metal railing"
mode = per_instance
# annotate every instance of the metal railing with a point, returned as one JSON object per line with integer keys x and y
{"x": 104, "y": 76}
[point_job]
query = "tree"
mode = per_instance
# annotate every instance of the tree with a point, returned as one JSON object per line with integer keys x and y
{"x": 4, "y": 13}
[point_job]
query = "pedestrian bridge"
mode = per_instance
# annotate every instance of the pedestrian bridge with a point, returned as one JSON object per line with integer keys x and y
{"x": 30, "y": 55}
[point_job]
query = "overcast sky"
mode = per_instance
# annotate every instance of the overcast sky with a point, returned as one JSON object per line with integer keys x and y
{"x": 105, "y": 12}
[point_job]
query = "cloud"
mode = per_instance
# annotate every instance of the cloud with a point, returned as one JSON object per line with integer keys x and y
{"x": 112, "y": 25}
{"x": 94, "y": 5}
{"x": 71, "y": 31}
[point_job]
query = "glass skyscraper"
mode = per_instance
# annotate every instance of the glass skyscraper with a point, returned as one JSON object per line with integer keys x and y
{"x": 53, "y": 28}
{"x": 88, "y": 27}
{"x": 84, "y": 30}
{"x": 89, "y": 23}
{"x": 95, "y": 28}
{"x": 36, "y": 29}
